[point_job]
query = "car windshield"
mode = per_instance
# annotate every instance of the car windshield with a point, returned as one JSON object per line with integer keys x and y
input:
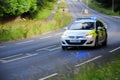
{"x": 82, "y": 26}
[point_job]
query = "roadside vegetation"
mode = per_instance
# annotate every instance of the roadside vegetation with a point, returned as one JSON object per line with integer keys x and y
{"x": 108, "y": 71}
{"x": 105, "y": 6}
{"x": 27, "y": 25}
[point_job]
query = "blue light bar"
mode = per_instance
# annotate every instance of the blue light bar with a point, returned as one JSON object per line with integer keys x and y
{"x": 82, "y": 18}
{"x": 93, "y": 18}
{"x": 90, "y": 18}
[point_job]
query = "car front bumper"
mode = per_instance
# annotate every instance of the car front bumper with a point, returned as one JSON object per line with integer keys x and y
{"x": 78, "y": 42}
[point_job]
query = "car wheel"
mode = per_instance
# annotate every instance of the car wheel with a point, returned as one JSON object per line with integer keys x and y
{"x": 64, "y": 47}
{"x": 105, "y": 42}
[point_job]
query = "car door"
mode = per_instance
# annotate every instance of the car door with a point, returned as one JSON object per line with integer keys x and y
{"x": 101, "y": 31}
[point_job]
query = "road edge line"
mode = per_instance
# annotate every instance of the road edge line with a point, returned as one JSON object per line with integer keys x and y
{"x": 88, "y": 61}
{"x": 114, "y": 49}
{"x": 52, "y": 75}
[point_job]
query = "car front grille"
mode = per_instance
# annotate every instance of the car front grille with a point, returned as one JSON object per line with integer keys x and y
{"x": 76, "y": 43}
{"x": 72, "y": 37}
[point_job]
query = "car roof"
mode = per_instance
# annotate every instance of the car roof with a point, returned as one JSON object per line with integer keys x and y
{"x": 86, "y": 19}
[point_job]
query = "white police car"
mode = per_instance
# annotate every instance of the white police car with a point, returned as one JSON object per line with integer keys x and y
{"x": 84, "y": 32}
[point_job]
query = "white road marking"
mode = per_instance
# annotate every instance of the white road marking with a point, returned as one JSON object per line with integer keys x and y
{"x": 54, "y": 48}
{"x": 42, "y": 49}
{"x": 52, "y": 75}
{"x": 46, "y": 37}
{"x": 25, "y": 42}
{"x": 1, "y": 60}
{"x": 114, "y": 49}
{"x": 2, "y": 46}
{"x": 46, "y": 48}
{"x": 12, "y": 56}
{"x": 116, "y": 16}
{"x": 88, "y": 61}
{"x": 11, "y": 60}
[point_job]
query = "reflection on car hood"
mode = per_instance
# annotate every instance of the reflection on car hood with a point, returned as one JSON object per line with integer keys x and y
{"x": 77, "y": 32}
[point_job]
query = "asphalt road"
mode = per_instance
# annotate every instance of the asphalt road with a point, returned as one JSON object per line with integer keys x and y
{"x": 41, "y": 57}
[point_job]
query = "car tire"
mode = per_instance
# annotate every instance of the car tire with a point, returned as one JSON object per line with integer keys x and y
{"x": 96, "y": 42}
{"x": 105, "y": 42}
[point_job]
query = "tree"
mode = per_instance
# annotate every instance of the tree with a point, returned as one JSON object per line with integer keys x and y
{"x": 42, "y": 3}
{"x": 17, "y": 7}
{"x": 108, "y": 4}
{"x": 20, "y": 7}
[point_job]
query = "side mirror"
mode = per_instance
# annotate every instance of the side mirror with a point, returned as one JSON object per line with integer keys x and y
{"x": 99, "y": 28}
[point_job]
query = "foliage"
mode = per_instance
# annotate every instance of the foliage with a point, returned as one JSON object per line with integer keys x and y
{"x": 27, "y": 28}
{"x": 19, "y": 7}
{"x": 62, "y": 5}
{"x": 23, "y": 28}
{"x": 110, "y": 3}
{"x": 16, "y": 7}
{"x": 45, "y": 12}
{"x": 102, "y": 8}
{"x": 42, "y": 3}
{"x": 110, "y": 71}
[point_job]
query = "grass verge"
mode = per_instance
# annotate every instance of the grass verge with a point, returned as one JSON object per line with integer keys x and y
{"x": 98, "y": 7}
{"x": 107, "y": 71}
{"x": 110, "y": 71}
{"x": 27, "y": 28}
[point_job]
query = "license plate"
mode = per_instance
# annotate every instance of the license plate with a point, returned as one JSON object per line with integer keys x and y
{"x": 74, "y": 41}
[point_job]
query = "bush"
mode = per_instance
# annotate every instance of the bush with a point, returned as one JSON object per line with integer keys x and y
{"x": 17, "y": 7}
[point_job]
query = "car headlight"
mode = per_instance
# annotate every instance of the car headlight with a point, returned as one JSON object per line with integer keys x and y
{"x": 64, "y": 36}
{"x": 89, "y": 36}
